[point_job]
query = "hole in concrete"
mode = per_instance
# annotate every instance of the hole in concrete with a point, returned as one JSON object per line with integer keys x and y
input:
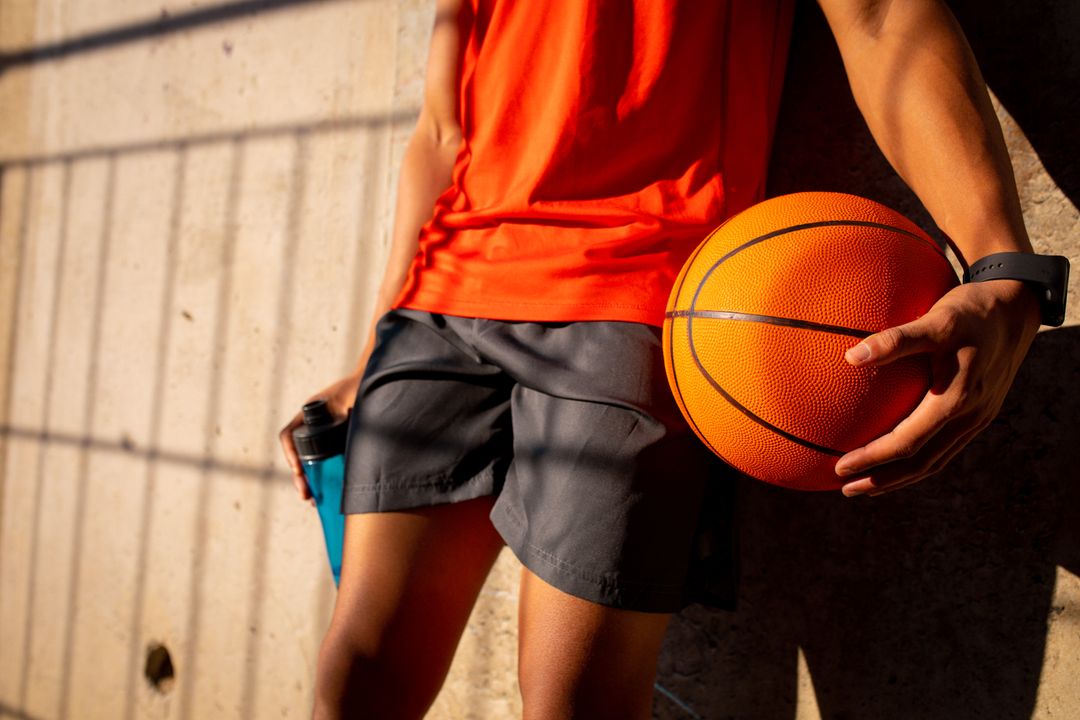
{"x": 159, "y": 668}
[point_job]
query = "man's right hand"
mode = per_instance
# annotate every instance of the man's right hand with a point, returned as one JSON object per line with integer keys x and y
{"x": 339, "y": 399}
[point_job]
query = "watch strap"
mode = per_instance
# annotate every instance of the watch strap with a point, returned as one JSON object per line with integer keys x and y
{"x": 1048, "y": 274}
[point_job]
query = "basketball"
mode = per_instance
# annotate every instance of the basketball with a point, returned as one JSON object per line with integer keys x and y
{"x": 761, "y": 315}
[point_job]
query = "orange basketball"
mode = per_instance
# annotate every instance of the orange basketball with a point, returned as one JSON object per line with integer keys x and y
{"x": 760, "y": 317}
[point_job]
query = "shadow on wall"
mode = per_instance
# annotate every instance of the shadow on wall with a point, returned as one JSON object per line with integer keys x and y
{"x": 1029, "y": 53}
{"x": 933, "y": 602}
{"x": 930, "y": 603}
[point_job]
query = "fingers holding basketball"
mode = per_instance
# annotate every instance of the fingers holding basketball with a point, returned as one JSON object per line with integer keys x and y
{"x": 976, "y": 338}
{"x": 938, "y": 452}
{"x": 917, "y": 448}
{"x": 919, "y": 336}
{"x": 903, "y": 447}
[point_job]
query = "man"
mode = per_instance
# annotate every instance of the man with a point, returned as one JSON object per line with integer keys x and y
{"x": 573, "y": 154}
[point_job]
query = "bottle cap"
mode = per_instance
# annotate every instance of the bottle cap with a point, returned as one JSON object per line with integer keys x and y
{"x": 321, "y": 436}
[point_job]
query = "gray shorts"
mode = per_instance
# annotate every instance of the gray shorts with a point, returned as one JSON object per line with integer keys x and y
{"x": 601, "y": 488}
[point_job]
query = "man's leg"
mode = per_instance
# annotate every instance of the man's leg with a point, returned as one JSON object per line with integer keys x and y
{"x": 408, "y": 583}
{"x": 578, "y": 659}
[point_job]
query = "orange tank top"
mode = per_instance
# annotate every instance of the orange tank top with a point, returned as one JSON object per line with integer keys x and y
{"x": 602, "y": 140}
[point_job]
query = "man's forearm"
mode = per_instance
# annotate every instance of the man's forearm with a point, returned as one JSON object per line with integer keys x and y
{"x": 425, "y": 173}
{"x": 429, "y": 158}
{"x": 919, "y": 88}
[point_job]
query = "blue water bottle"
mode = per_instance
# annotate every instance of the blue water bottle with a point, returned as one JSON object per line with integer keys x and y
{"x": 320, "y": 443}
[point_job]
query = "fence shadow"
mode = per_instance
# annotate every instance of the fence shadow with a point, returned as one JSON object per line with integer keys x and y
{"x": 212, "y": 472}
{"x": 932, "y": 602}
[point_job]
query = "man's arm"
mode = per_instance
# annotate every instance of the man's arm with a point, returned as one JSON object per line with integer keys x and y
{"x": 917, "y": 84}
{"x": 425, "y": 173}
{"x": 429, "y": 157}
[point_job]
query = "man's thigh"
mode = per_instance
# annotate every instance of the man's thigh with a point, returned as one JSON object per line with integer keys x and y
{"x": 581, "y": 659}
{"x": 409, "y": 580}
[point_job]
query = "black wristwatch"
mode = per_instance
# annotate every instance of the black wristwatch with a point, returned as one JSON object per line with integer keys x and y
{"x": 1048, "y": 275}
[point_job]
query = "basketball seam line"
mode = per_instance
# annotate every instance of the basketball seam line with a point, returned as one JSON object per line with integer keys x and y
{"x": 754, "y": 416}
{"x": 771, "y": 320}
{"x": 693, "y": 304}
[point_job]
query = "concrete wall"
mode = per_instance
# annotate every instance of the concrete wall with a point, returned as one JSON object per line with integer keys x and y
{"x": 194, "y": 209}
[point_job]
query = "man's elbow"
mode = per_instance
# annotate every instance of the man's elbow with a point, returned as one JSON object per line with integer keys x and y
{"x": 440, "y": 130}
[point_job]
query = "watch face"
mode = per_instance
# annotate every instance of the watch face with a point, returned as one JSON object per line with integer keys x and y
{"x": 1055, "y": 288}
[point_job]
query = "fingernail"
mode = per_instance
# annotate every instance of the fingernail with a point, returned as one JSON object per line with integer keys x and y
{"x": 849, "y": 490}
{"x": 858, "y": 354}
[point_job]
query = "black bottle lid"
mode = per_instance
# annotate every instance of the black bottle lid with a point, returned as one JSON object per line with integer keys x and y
{"x": 321, "y": 436}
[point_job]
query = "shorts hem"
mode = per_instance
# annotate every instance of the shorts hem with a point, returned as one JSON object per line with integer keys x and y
{"x": 600, "y": 589}
{"x": 388, "y": 496}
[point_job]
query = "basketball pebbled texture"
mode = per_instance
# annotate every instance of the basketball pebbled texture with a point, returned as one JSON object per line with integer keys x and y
{"x": 760, "y": 317}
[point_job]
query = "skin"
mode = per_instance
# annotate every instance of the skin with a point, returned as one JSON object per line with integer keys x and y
{"x": 408, "y": 583}
{"x": 410, "y": 579}
{"x": 577, "y": 659}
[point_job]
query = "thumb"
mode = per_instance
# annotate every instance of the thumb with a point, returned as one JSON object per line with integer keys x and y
{"x": 892, "y": 344}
